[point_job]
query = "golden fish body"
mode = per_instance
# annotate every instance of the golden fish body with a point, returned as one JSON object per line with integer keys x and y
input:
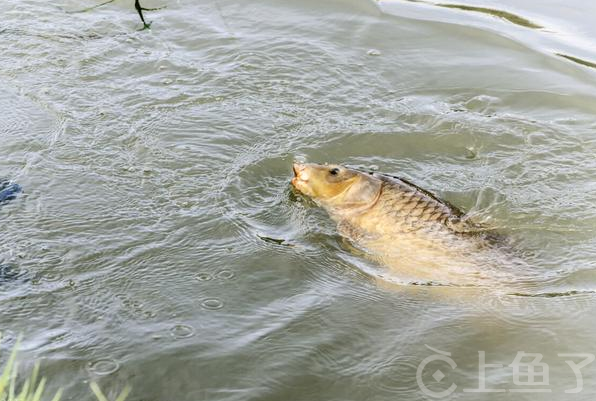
{"x": 415, "y": 234}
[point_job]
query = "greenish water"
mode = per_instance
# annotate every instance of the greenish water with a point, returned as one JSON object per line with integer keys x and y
{"x": 163, "y": 247}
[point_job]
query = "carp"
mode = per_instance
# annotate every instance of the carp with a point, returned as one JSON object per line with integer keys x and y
{"x": 417, "y": 236}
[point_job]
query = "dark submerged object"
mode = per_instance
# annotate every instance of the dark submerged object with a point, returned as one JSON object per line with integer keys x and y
{"x": 8, "y": 190}
{"x": 10, "y": 273}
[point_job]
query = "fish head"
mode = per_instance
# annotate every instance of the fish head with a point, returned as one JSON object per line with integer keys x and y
{"x": 336, "y": 187}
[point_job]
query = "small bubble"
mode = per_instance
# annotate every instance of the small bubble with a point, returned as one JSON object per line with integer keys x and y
{"x": 104, "y": 367}
{"x": 203, "y": 277}
{"x": 212, "y": 304}
{"x": 136, "y": 304}
{"x": 471, "y": 153}
{"x": 51, "y": 277}
{"x": 373, "y": 52}
{"x": 225, "y": 274}
{"x": 131, "y": 303}
{"x": 182, "y": 331}
{"x": 300, "y": 159}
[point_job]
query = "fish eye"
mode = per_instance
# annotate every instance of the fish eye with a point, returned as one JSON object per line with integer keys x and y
{"x": 334, "y": 171}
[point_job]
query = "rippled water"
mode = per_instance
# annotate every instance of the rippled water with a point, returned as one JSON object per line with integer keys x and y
{"x": 157, "y": 242}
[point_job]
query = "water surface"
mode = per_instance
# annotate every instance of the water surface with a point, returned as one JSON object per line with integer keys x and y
{"x": 162, "y": 247}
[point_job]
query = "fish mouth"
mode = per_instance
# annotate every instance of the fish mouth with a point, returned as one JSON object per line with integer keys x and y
{"x": 299, "y": 175}
{"x": 297, "y": 167}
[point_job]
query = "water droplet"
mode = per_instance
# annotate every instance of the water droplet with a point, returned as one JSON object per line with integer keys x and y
{"x": 104, "y": 367}
{"x": 212, "y": 304}
{"x": 226, "y": 274}
{"x": 203, "y": 277}
{"x": 373, "y": 52}
{"x": 182, "y": 331}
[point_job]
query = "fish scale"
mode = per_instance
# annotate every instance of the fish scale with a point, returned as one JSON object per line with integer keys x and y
{"x": 420, "y": 206}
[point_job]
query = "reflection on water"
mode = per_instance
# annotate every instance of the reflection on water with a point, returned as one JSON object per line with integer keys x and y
{"x": 515, "y": 19}
{"x": 578, "y": 60}
{"x": 159, "y": 242}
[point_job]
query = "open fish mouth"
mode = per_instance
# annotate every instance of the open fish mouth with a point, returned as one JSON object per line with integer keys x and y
{"x": 300, "y": 175}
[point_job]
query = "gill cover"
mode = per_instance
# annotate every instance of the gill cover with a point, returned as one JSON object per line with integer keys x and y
{"x": 364, "y": 191}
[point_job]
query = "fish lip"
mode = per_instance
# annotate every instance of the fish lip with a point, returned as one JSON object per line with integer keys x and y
{"x": 298, "y": 169}
{"x": 298, "y": 182}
